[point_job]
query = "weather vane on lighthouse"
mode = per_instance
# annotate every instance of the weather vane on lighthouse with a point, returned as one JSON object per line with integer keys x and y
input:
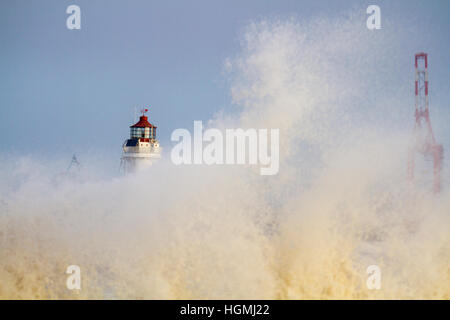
{"x": 142, "y": 147}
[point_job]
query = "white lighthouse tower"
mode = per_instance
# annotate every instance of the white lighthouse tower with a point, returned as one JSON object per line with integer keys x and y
{"x": 142, "y": 148}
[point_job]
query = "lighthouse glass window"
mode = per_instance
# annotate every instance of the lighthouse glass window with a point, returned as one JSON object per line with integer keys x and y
{"x": 140, "y": 132}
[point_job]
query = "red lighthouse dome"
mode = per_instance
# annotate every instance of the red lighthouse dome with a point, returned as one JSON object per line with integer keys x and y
{"x": 142, "y": 123}
{"x": 143, "y": 130}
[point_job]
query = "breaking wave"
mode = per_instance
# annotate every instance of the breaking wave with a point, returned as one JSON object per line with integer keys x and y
{"x": 338, "y": 204}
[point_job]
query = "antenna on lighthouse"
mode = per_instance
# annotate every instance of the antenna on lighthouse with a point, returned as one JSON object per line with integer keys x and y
{"x": 135, "y": 114}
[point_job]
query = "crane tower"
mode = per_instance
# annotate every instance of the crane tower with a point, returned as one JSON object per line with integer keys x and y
{"x": 424, "y": 143}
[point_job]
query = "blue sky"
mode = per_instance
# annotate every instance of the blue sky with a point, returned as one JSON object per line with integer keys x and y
{"x": 65, "y": 91}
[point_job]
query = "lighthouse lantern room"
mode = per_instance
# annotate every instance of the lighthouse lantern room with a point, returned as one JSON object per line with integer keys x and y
{"x": 142, "y": 147}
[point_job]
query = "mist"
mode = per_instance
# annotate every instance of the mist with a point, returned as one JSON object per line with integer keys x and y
{"x": 339, "y": 203}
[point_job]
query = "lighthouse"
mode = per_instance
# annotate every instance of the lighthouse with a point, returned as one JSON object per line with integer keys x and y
{"x": 142, "y": 147}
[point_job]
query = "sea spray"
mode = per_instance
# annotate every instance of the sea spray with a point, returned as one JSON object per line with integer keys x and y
{"x": 338, "y": 204}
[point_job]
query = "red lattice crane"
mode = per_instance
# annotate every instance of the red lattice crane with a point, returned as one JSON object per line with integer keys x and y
{"x": 424, "y": 141}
